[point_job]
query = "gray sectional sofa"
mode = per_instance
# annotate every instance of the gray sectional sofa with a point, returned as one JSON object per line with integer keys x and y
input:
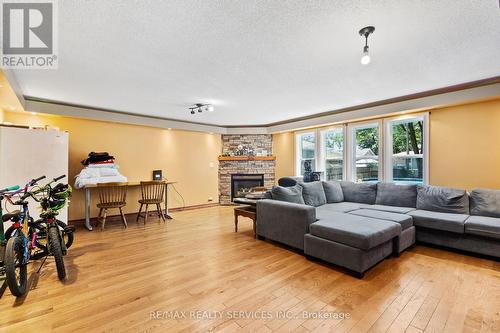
{"x": 357, "y": 225}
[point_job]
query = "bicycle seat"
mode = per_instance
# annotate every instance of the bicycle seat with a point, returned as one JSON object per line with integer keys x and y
{"x": 12, "y": 215}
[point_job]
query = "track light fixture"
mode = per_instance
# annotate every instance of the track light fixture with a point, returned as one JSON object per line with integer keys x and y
{"x": 201, "y": 107}
{"x": 365, "y": 32}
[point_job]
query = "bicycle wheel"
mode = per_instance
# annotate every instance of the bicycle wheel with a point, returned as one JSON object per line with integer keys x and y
{"x": 56, "y": 251}
{"x": 16, "y": 271}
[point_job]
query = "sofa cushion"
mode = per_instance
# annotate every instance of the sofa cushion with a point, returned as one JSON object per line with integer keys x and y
{"x": 333, "y": 192}
{"x": 439, "y": 221}
{"x": 391, "y": 209}
{"x": 357, "y": 231}
{"x": 288, "y": 194}
{"x": 483, "y": 226}
{"x": 405, "y": 220}
{"x": 342, "y": 207}
{"x": 442, "y": 199}
{"x": 289, "y": 181}
{"x": 359, "y": 192}
{"x": 400, "y": 195}
{"x": 313, "y": 194}
{"x": 485, "y": 202}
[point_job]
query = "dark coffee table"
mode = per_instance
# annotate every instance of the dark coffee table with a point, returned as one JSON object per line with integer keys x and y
{"x": 248, "y": 210}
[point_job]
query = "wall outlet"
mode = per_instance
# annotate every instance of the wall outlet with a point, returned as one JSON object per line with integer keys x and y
{"x": 210, "y": 199}
{"x": 211, "y": 164}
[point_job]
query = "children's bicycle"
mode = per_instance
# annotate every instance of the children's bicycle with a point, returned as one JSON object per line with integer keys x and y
{"x": 52, "y": 237}
{"x": 18, "y": 248}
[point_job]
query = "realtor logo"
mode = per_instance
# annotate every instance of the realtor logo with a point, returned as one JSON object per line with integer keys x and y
{"x": 28, "y": 34}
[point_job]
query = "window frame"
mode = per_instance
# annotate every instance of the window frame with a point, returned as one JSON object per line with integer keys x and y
{"x": 322, "y": 155}
{"x": 388, "y": 170}
{"x": 352, "y": 147}
{"x": 298, "y": 150}
{"x": 349, "y": 153}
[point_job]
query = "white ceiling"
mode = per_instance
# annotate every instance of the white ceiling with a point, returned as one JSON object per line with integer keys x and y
{"x": 261, "y": 62}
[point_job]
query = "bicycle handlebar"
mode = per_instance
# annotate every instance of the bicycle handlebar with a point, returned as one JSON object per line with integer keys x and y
{"x": 58, "y": 178}
{"x": 12, "y": 188}
{"x": 36, "y": 180}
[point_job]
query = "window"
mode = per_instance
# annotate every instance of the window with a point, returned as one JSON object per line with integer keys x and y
{"x": 332, "y": 148}
{"x": 365, "y": 162}
{"x": 306, "y": 152}
{"x": 389, "y": 149}
{"x": 406, "y": 150}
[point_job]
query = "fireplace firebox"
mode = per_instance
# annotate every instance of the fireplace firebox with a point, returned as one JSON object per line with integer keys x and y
{"x": 241, "y": 184}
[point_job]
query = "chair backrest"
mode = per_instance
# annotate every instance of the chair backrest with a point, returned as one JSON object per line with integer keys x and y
{"x": 112, "y": 192}
{"x": 153, "y": 190}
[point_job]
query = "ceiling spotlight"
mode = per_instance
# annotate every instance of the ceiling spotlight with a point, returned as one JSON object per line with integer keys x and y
{"x": 201, "y": 107}
{"x": 365, "y": 32}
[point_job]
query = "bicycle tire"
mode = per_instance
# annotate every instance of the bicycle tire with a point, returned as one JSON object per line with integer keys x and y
{"x": 14, "y": 256}
{"x": 56, "y": 251}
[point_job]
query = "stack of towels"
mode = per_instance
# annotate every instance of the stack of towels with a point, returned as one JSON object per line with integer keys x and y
{"x": 99, "y": 168}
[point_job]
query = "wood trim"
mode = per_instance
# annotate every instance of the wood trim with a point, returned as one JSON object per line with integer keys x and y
{"x": 247, "y": 158}
{"x": 433, "y": 92}
{"x": 428, "y": 93}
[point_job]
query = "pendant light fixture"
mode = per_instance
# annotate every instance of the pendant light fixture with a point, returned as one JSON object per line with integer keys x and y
{"x": 365, "y": 32}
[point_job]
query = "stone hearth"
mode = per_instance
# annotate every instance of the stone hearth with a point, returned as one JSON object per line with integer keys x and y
{"x": 242, "y": 165}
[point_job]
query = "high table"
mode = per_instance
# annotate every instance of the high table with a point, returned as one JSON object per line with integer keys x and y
{"x": 89, "y": 187}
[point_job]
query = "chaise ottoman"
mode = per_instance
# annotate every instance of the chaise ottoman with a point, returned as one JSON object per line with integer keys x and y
{"x": 354, "y": 242}
{"x": 407, "y": 237}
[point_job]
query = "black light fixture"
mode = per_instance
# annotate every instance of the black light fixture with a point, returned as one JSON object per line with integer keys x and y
{"x": 365, "y": 32}
{"x": 201, "y": 107}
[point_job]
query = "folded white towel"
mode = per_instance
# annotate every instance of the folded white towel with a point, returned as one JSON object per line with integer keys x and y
{"x": 81, "y": 182}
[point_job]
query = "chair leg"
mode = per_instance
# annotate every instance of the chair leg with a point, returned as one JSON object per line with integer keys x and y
{"x": 123, "y": 218}
{"x": 98, "y": 220}
{"x": 158, "y": 211}
{"x": 139, "y": 214}
{"x": 146, "y": 214}
{"x": 161, "y": 213}
{"x": 104, "y": 218}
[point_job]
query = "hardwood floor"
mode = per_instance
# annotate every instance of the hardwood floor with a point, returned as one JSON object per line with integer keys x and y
{"x": 119, "y": 279}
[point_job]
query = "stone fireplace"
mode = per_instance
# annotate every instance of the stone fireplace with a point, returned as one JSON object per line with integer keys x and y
{"x": 245, "y": 171}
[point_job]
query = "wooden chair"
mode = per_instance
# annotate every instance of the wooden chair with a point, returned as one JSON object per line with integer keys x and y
{"x": 153, "y": 193}
{"x": 111, "y": 196}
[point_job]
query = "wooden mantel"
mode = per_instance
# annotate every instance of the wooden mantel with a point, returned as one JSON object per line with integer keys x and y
{"x": 247, "y": 158}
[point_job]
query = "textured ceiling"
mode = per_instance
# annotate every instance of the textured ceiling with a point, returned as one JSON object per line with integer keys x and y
{"x": 260, "y": 62}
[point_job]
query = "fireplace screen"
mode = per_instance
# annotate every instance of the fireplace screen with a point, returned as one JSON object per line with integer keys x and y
{"x": 241, "y": 184}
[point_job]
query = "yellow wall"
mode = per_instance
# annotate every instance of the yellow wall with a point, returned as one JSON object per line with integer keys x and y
{"x": 183, "y": 156}
{"x": 283, "y": 149}
{"x": 464, "y": 146}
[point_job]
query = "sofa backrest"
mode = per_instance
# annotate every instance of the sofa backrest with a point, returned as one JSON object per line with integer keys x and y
{"x": 359, "y": 192}
{"x": 485, "y": 202}
{"x": 400, "y": 195}
{"x": 442, "y": 199}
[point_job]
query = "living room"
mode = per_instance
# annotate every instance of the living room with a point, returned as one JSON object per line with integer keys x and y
{"x": 250, "y": 166}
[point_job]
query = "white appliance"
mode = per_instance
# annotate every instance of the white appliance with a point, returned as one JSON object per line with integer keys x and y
{"x": 30, "y": 153}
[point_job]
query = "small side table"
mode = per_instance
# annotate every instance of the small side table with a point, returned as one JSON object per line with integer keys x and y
{"x": 246, "y": 211}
